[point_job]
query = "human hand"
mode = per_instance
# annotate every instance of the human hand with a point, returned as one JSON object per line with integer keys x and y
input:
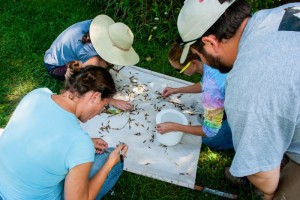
{"x": 100, "y": 145}
{"x": 68, "y": 73}
{"x": 165, "y": 127}
{"x": 123, "y": 105}
{"x": 168, "y": 91}
{"x": 72, "y": 67}
{"x": 117, "y": 153}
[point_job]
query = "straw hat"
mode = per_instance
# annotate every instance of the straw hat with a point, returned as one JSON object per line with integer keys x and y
{"x": 113, "y": 41}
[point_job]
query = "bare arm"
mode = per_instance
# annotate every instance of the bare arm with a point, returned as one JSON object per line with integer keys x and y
{"x": 266, "y": 181}
{"x": 195, "y": 88}
{"x": 170, "y": 126}
{"x": 77, "y": 184}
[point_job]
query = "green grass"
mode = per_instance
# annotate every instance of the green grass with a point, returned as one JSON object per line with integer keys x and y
{"x": 27, "y": 29}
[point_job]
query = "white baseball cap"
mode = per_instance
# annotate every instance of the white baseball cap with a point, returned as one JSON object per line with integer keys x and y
{"x": 195, "y": 18}
{"x": 113, "y": 41}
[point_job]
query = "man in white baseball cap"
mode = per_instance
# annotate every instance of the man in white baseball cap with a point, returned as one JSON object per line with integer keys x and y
{"x": 192, "y": 27}
{"x": 261, "y": 55}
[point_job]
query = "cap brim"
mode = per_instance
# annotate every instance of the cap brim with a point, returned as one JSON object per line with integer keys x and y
{"x": 184, "y": 54}
{"x": 185, "y": 51}
{"x": 104, "y": 46}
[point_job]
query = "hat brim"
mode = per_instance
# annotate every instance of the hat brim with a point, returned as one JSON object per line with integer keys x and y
{"x": 104, "y": 46}
{"x": 185, "y": 52}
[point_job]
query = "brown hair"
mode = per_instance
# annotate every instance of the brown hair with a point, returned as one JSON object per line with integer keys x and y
{"x": 175, "y": 54}
{"x": 91, "y": 78}
{"x": 86, "y": 38}
{"x": 227, "y": 25}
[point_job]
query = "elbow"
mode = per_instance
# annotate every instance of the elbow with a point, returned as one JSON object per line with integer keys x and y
{"x": 267, "y": 181}
{"x": 208, "y": 132}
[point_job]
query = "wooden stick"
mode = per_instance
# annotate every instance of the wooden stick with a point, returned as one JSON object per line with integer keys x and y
{"x": 215, "y": 192}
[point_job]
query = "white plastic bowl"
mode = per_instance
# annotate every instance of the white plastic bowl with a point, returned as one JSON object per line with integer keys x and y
{"x": 170, "y": 115}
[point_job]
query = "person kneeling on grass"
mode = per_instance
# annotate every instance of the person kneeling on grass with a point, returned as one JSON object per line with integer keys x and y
{"x": 215, "y": 129}
{"x": 45, "y": 154}
{"x": 260, "y": 53}
{"x": 100, "y": 42}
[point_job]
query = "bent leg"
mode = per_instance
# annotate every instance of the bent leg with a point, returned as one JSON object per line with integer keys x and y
{"x": 111, "y": 178}
{"x": 223, "y": 140}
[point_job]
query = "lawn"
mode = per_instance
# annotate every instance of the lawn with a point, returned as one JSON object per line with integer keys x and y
{"x": 27, "y": 29}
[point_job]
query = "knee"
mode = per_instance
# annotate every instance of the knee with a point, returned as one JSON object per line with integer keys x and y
{"x": 117, "y": 169}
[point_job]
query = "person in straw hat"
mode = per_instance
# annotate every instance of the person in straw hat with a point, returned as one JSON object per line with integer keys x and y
{"x": 99, "y": 42}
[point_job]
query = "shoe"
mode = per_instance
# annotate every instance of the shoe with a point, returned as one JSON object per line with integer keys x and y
{"x": 241, "y": 182}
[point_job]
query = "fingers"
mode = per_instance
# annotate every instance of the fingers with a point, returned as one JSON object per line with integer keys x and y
{"x": 123, "y": 105}
{"x": 100, "y": 145}
{"x": 167, "y": 92}
{"x": 122, "y": 148}
{"x": 68, "y": 73}
{"x": 164, "y": 127}
{"x": 127, "y": 106}
{"x": 118, "y": 154}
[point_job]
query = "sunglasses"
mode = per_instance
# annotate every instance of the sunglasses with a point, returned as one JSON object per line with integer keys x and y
{"x": 181, "y": 43}
{"x": 184, "y": 68}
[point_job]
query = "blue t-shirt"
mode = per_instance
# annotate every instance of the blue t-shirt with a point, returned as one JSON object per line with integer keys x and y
{"x": 39, "y": 145}
{"x": 213, "y": 95}
{"x": 262, "y": 99}
{"x": 68, "y": 46}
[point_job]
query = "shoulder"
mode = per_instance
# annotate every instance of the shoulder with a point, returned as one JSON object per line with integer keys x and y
{"x": 38, "y": 93}
{"x": 84, "y": 25}
{"x": 213, "y": 76}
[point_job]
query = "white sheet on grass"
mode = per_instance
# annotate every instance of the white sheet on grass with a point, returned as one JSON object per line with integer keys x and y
{"x": 146, "y": 156}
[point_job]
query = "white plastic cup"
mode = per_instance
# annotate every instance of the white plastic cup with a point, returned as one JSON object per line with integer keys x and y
{"x": 170, "y": 115}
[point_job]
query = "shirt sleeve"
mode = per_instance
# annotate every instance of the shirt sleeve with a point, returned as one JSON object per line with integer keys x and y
{"x": 213, "y": 103}
{"x": 260, "y": 141}
{"x": 82, "y": 151}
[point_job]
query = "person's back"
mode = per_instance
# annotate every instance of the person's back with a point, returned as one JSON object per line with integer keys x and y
{"x": 267, "y": 89}
{"x": 69, "y": 47}
{"x": 262, "y": 88}
{"x": 35, "y": 159}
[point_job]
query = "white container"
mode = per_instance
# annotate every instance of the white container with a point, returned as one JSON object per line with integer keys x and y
{"x": 170, "y": 115}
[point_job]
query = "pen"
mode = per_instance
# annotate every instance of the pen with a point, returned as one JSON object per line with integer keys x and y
{"x": 121, "y": 155}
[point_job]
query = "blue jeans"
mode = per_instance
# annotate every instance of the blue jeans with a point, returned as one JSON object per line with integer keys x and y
{"x": 111, "y": 178}
{"x": 223, "y": 140}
